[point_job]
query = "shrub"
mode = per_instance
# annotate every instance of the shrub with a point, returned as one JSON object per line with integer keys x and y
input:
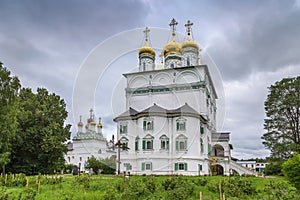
{"x": 280, "y": 190}
{"x": 200, "y": 181}
{"x": 291, "y": 169}
{"x": 274, "y": 168}
{"x": 236, "y": 186}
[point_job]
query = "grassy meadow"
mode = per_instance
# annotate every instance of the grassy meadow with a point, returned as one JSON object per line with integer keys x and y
{"x": 109, "y": 187}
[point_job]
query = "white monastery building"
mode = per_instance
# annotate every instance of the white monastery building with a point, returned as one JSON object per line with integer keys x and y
{"x": 89, "y": 143}
{"x": 169, "y": 125}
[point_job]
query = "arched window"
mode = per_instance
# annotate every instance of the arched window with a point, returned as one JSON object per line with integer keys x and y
{"x": 147, "y": 142}
{"x": 149, "y": 145}
{"x": 181, "y": 143}
{"x": 188, "y": 61}
{"x": 172, "y": 65}
{"x": 144, "y": 66}
{"x": 148, "y": 124}
{"x": 201, "y": 145}
{"x": 164, "y": 142}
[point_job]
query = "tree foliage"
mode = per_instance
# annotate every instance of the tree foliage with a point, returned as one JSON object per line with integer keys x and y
{"x": 107, "y": 165}
{"x": 282, "y": 123}
{"x": 32, "y": 128}
{"x": 274, "y": 168}
{"x": 9, "y": 88}
{"x": 38, "y": 146}
{"x": 291, "y": 170}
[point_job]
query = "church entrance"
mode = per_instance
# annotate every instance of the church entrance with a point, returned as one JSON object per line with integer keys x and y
{"x": 219, "y": 170}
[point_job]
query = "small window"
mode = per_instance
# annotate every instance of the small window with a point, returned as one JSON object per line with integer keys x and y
{"x": 181, "y": 166}
{"x": 146, "y": 166}
{"x": 172, "y": 65}
{"x": 148, "y": 124}
{"x": 123, "y": 128}
{"x": 144, "y": 66}
{"x": 181, "y": 124}
{"x": 69, "y": 159}
{"x": 181, "y": 143}
{"x": 201, "y": 129}
{"x": 80, "y": 159}
{"x": 136, "y": 143}
{"x": 201, "y": 145}
{"x": 149, "y": 145}
{"x": 188, "y": 61}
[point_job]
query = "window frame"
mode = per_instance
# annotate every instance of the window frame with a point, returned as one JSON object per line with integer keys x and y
{"x": 164, "y": 139}
{"x": 146, "y": 139}
{"x": 179, "y": 139}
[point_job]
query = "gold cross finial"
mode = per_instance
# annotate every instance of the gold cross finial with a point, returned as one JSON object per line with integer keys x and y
{"x": 189, "y": 25}
{"x": 146, "y": 31}
{"x": 173, "y": 24}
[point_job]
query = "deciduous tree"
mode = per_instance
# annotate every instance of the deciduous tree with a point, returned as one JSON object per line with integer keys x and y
{"x": 282, "y": 123}
{"x": 9, "y": 88}
{"x": 38, "y": 146}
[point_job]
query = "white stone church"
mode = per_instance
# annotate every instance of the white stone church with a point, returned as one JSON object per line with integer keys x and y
{"x": 89, "y": 142}
{"x": 169, "y": 124}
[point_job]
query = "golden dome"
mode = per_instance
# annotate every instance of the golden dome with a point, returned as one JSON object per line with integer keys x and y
{"x": 100, "y": 125}
{"x": 146, "y": 50}
{"x": 172, "y": 48}
{"x": 80, "y": 123}
{"x": 93, "y": 123}
{"x": 189, "y": 43}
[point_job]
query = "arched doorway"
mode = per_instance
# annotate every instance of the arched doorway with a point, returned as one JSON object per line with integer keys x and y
{"x": 219, "y": 170}
{"x": 218, "y": 151}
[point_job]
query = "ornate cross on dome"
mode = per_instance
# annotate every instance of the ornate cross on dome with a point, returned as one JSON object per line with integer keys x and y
{"x": 188, "y": 25}
{"x": 146, "y": 31}
{"x": 173, "y": 24}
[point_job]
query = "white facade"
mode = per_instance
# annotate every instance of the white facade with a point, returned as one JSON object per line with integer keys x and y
{"x": 90, "y": 143}
{"x": 170, "y": 122}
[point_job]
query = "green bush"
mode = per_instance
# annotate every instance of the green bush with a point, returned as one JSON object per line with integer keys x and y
{"x": 236, "y": 186}
{"x": 274, "y": 168}
{"x": 3, "y": 193}
{"x": 200, "y": 181}
{"x": 280, "y": 191}
{"x": 291, "y": 170}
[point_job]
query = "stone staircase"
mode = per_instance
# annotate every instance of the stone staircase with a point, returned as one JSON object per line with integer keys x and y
{"x": 240, "y": 169}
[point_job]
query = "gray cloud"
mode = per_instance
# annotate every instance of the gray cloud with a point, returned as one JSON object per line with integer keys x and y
{"x": 254, "y": 43}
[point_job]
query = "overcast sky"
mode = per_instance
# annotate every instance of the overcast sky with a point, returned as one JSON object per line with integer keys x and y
{"x": 253, "y": 44}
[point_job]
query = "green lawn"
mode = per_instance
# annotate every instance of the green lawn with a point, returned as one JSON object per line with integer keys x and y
{"x": 149, "y": 187}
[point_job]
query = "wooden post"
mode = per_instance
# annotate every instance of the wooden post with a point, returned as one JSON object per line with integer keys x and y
{"x": 27, "y": 182}
{"x": 200, "y": 195}
{"x": 39, "y": 186}
{"x": 220, "y": 190}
